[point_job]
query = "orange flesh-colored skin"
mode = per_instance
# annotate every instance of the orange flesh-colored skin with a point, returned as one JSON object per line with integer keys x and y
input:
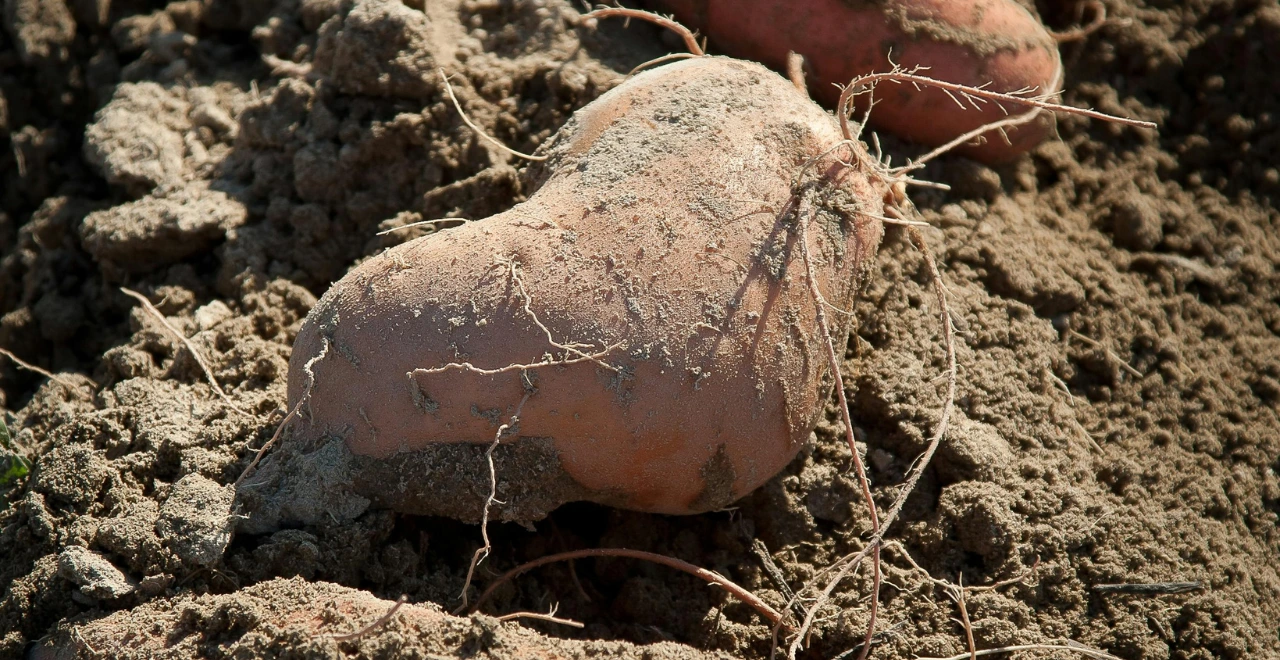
{"x": 843, "y": 39}
{"x": 624, "y": 261}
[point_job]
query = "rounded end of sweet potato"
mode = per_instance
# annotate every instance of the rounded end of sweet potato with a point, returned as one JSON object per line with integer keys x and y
{"x": 993, "y": 43}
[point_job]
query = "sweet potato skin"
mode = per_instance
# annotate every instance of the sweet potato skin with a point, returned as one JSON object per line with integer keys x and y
{"x": 972, "y": 42}
{"x": 662, "y": 232}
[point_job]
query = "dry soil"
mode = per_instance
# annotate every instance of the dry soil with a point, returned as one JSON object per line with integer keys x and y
{"x": 1116, "y": 290}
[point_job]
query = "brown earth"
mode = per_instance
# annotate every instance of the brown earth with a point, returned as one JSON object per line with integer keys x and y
{"x": 1117, "y": 293}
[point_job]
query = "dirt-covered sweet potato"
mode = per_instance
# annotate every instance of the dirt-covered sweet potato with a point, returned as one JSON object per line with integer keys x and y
{"x": 992, "y": 43}
{"x": 652, "y": 287}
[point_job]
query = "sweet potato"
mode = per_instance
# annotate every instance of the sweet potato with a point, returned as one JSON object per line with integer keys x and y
{"x": 651, "y": 287}
{"x": 992, "y": 43}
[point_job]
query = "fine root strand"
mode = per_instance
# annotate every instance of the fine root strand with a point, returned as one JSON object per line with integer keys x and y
{"x": 479, "y": 131}
{"x": 471, "y": 368}
{"x": 483, "y": 552}
{"x": 968, "y": 96}
{"x": 596, "y": 358}
{"x": 62, "y": 382}
{"x": 958, "y": 592}
{"x": 948, "y": 339}
{"x": 1111, "y": 355}
{"x": 1000, "y": 126}
{"x": 420, "y": 223}
{"x": 795, "y": 72}
{"x": 293, "y": 412}
{"x": 191, "y": 348}
{"x": 827, "y": 340}
{"x": 1082, "y": 32}
{"x": 381, "y": 621}
{"x": 549, "y": 617}
{"x": 528, "y": 309}
{"x": 1075, "y": 647}
{"x": 659, "y": 61}
{"x": 690, "y": 40}
{"x": 848, "y": 565}
{"x": 711, "y": 577}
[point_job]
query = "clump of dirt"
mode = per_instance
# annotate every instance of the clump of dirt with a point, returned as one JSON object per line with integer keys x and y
{"x": 1116, "y": 293}
{"x": 293, "y": 618}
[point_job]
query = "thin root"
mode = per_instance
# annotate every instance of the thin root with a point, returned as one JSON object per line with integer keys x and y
{"x": 690, "y": 40}
{"x": 382, "y": 621}
{"x": 512, "y": 423}
{"x": 658, "y": 61}
{"x": 1078, "y": 648}
{"x": 848, "y": 565}
{"x": 711, "y": 577}
{"x": 528, "y": 309}
{"x": 63, "y": 382}
{"x": 958, "y": 592}
{"x": 1000, "y": 125}
{"x": 471, "y": 368}
{"x": 795, "y": 71}
{"x": 204, "y": 366}
{"x": 828, "y": 345}
{"x": 420, "y": 223}
{"x": 467, "y": 120}
{"x": 270, "y": 443}
{"x": 976, "y": 95}
{"x": 948, "y": 338}
{"x": 1083, "y": 32}
{"x": 538, "y": 616}
{"x": 1111, "y": 355}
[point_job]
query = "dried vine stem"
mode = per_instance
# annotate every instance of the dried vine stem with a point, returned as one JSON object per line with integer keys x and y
{"x": 191, "y": 348}
{"x": 62, "y": 382}
{"x": 711, "y": 577}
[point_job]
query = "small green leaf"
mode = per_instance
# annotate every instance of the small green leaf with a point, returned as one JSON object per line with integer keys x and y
{"x": 12, "y": 468}
{"x": 6, "y": 440}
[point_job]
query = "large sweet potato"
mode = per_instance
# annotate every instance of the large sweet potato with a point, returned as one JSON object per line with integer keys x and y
{"x": 662, "y": 239}
{"x": 992, "y": 43}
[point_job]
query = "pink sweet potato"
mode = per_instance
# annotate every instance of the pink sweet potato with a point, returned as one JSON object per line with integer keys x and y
{"x": 992, "y": 43}
{"x": 662, "y": 241}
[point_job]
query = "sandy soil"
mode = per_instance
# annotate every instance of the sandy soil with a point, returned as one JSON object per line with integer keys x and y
{"x": 1117, "y": 292}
